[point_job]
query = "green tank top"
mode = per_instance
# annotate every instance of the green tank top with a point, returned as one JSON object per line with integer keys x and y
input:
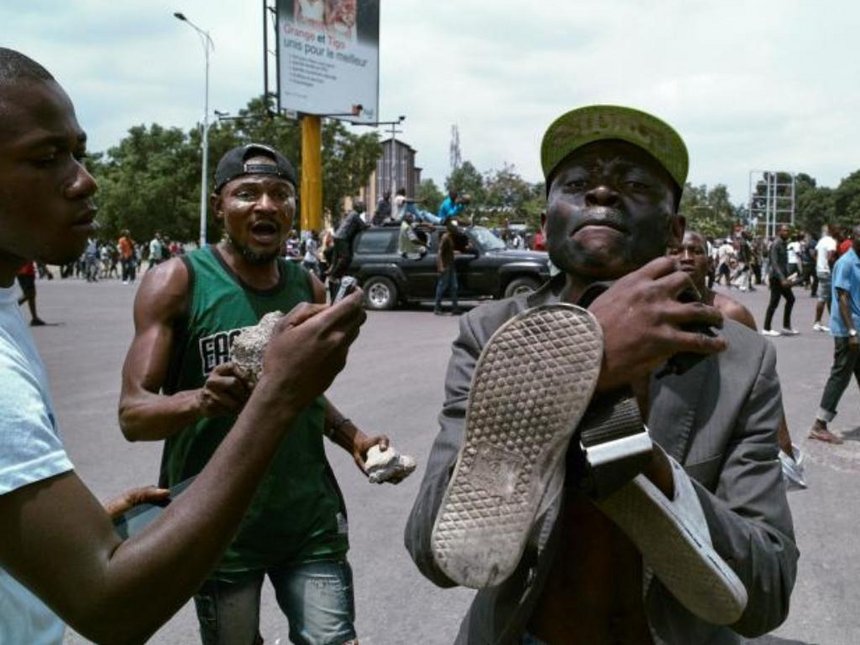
{"x": 298, "y": 514}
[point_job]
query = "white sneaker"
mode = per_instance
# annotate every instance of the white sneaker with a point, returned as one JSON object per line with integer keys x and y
{"x": 530, "y": 388}
{"x": 677, "y": 547}
{"x": 770, "y": 332}
{"x": 820, "y": 327}
{"x": 788, "y": 331}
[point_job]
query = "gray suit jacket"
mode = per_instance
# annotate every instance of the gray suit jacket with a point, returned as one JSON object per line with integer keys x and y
{"x": 719, "y": 420}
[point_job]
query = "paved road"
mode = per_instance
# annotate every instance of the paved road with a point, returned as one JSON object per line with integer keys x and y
{"x": 393, "y": 384}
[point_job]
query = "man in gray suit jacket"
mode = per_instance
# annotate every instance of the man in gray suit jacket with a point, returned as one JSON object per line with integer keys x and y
{"x": 614, "y": 179}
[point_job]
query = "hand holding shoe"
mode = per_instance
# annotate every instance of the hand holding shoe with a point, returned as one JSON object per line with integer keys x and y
{"x": 644, "y": 323}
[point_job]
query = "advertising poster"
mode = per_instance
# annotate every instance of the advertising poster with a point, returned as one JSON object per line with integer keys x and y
{"x": 328, "y": 57}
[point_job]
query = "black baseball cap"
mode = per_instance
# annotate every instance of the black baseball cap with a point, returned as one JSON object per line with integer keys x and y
{"x": 234, "y": 164}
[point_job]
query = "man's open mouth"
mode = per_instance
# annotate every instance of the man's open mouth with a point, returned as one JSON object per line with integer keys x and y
{"x": 265, "y": 229}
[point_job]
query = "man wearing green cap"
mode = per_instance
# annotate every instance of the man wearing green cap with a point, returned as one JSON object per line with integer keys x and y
{"x": 577, "y": 523}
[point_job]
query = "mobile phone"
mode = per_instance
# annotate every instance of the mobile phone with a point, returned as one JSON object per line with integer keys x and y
{"x": 684, "y": 361}
{"x": 348, "y": 284}
{"x": 134, "y": 520}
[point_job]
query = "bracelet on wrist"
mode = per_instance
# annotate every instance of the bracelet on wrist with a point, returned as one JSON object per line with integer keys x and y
{"x": 337, "y": 425}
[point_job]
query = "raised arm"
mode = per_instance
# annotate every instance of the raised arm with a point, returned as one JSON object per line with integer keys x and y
{"x": 341, "y": 430}
{"x": 114, "y": 591}
{"x": 145, "y": 413}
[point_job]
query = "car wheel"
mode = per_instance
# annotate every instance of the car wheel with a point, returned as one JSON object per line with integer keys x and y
{"x": 379, "y": 293}
{"x": 519, "y": 286}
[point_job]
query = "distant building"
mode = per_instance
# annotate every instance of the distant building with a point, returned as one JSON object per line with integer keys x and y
{"x": 405, "y": 173}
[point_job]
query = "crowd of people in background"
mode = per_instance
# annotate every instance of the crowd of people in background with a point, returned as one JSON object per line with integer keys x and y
{"x": 123, "y": 258}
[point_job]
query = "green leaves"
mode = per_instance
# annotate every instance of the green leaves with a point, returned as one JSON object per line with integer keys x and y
{"x": 150, "y": 181}
{"x": 498, "y": 195}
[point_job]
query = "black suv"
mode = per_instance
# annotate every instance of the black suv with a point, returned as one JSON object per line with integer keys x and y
{"x": 487, "y": 269}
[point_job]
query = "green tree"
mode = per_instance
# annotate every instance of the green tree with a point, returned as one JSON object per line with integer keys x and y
{"x": 466, "y": 180}
{"x": 708, "y": 211}
{"x": 147, "y": 183}
{"x": 150, "y": 181}
{"x": 348, "y": 162}
{"x": 846, "y": 200}
{"x": 430, "y": 195}
{"x": 814, "y": 205}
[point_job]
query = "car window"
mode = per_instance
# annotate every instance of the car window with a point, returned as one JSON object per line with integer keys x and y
{"x": 373, "y": 242}
{"x": 486, "y": 239}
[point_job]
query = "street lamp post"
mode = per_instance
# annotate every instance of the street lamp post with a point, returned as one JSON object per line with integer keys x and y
{"x": 204, "y": 173}
{"x": 394, "y": 132}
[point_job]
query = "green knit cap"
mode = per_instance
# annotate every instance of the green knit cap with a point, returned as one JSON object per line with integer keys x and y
{"x": 598, "y": 122}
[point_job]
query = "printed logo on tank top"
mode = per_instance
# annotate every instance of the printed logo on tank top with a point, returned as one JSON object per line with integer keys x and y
{"x": 215, "y": 349}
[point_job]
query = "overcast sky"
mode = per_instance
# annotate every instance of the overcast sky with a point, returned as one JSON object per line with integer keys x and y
{"x": 755, "y": 84}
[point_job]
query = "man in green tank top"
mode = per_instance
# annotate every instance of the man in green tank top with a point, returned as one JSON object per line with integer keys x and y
{"x": 180, "y": 386}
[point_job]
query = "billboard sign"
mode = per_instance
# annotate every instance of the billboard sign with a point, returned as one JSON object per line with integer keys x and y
{"x": 328, "y": 58}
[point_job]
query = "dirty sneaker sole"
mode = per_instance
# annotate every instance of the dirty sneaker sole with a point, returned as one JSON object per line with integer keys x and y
{"x": 531, "y": 385}
{"x": 682, "y": 559}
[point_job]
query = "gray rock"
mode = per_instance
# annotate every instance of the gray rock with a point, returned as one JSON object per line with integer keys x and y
{"x": 249, "y": 345}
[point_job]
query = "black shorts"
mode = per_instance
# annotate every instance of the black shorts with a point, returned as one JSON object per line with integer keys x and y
{"x": 27, "y": 283}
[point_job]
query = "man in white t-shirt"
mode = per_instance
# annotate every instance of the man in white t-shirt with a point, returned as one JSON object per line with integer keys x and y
{"x": 60, "y": 557}
{"x": 825, "y": 256}
{"x": 793, "y": 250}
{"x": 400, "y": 204}
{"x": 725, "y": 254}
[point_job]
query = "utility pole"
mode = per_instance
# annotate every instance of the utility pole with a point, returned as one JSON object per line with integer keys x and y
{"x": 454, "y": 149}
{"x": 204, "y": 173}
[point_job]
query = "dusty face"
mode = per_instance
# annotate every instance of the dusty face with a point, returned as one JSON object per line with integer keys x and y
{"x": 610, "y": 210}
{"x": 692, "y": 258}
{"x": 46, "y": 205}
{"x": 257, "y": 211}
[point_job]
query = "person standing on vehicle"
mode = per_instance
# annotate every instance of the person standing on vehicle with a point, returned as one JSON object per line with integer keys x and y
{"x": 383, "y": 209}
{"x": 451, "y": 206}
{"x": 447, "y": 268}
{"x": 353, "y": 224}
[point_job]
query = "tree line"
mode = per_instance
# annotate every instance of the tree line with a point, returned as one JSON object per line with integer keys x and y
{"x": 150, "y": 181}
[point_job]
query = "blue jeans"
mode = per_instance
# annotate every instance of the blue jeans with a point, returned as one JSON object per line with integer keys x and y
{"x": 317, "y": 599}
{"x": 421, "y": 215}
{"x": 845, "y": 365}
{"x": 447, "y": 281}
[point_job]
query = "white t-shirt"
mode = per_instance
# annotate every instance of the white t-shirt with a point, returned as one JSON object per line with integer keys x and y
{"x": 825, "y": 246}
{"x": 399, "y": 207}
{"x": 30, "y": 451}
{"x": 793, "y": 251}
